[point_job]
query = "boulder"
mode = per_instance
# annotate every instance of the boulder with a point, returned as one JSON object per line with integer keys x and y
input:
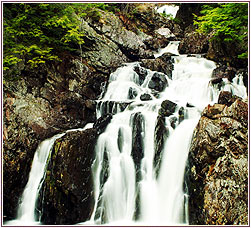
{"x": 145, "y": 97}
{"x": 66, "y": 195}
{"x": 158, "y": 82}
{"x": 217, "y": 168}
{"x": 167, "y": 108}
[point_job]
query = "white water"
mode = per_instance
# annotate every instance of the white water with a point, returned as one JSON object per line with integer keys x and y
{"x": 169, "y": 10}
{"x": 26, "y": 209}
{"x": 162, "y": 200}
{"x": 127, "y": 198}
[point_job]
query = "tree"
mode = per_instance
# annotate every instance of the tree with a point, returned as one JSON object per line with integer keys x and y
{"x": 228, "y": 22}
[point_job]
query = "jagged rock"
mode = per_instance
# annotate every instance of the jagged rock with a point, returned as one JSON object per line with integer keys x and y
{"x": 145, "y": 97}
{"x": 218, "y": 166}
{"x": 66, "y": 196}
{"x": 158, "y": 82}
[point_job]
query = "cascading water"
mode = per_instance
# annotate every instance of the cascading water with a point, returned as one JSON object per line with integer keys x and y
{"x": 127, "y": 188}
{"x": 26, "y": 209}
{"x": 133, "y": 183}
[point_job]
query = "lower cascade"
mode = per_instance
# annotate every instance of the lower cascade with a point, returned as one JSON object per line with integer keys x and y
{"x": 140, "y": 159}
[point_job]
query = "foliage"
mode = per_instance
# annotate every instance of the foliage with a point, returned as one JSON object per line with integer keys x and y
{"x": 37, "y": 33}
{"x": 227, "y": 21}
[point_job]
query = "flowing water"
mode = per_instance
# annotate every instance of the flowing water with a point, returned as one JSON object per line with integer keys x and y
{"x": 126, "y": 185}
{"x": 129, "y": 187}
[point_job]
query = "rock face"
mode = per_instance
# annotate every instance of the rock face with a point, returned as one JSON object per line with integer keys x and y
{"x": 218, "y": 165}
{"x": 66, "y": 196}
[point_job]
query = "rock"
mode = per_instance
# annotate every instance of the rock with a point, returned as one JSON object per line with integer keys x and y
{"x": 102, "y": 123}
{"x": 145, "y": 97}
{"x": 161, "y": 133}
{"x": 226, "y": 98}
{"x": 142, "y": 72}
{"x": 181, "y": 114}
{"x": 195, "y": 43}
{"x": 168, "y": 107}
{"x": 162, "y": 64}
{"x": 138, "y": 128}
{"x": 158, "y": 82}
{"x": 173, "y": 122}
{"x": 132, "y": 93}
{"x": 218, "y": 166}
{"x": 111, "y": 107}
{"x": 66, "y": 196}
{"x": 223, "y": 71}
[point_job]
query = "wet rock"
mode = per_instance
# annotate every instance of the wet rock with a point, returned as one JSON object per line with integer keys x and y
{"x": 138, "y": 128}
{"x": 173, "y": 122}
{"x": 66, "y": 196}
{"x": 181, "y": 114}
{"x": 142, "y": 72}
{"x": 111, "y": 107}
{"x": 162, "y": 64}
{"x": 145, "y": 97}
{"x": 158, "y": 82}
{"x": 102, "y": 123}
{"x": 161, "y": 133}
{"x": 223, "y": 71}
{"x": 218, "y": 166}
{"x": 167, "y": 108}
{"x": 132, "y": 93}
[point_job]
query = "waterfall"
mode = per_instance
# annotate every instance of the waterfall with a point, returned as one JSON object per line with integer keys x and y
{"x": 26, "y": 209}
{"x": 139, "y": 170}
{"x": 127, "y": 189}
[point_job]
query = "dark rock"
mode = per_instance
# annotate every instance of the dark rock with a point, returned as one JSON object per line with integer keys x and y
{"x": 181, "y": 114}
{"x": 162, "y": 64}
{"x": 185, "y": 14}
{"x": 195, "y": 43}
{"x": 168, "y": 107}
{"x": 158, "y": 82}
{"x": 102, "y": 123}
{"x": 161, "y": 133}
{"x": 132, "y": 93}
{"x": 226, "y": 98}
{"x": 145, "y": 97}
{"x": 173, "y": 121}
{"x": 111, "y": 107}
{"x": 218, "y": 166}
{"x": 138, "y": 128}
{"x": 223, "y": 72}
{"x": 189, "y": 105}
{"x": 142, "y": 72}
{"x": 66, "y": 196}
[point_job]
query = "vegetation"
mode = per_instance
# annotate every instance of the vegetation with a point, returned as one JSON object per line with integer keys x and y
{"x": 36, "y": 33}
{"x": 228, "y": 22}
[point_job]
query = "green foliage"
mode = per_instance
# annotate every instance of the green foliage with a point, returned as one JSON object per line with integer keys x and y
{"x": 37, "y": 32}
{"x": 228, "y": 22}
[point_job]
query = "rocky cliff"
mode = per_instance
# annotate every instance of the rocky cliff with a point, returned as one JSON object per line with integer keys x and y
{"x": 218, "y": 164}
